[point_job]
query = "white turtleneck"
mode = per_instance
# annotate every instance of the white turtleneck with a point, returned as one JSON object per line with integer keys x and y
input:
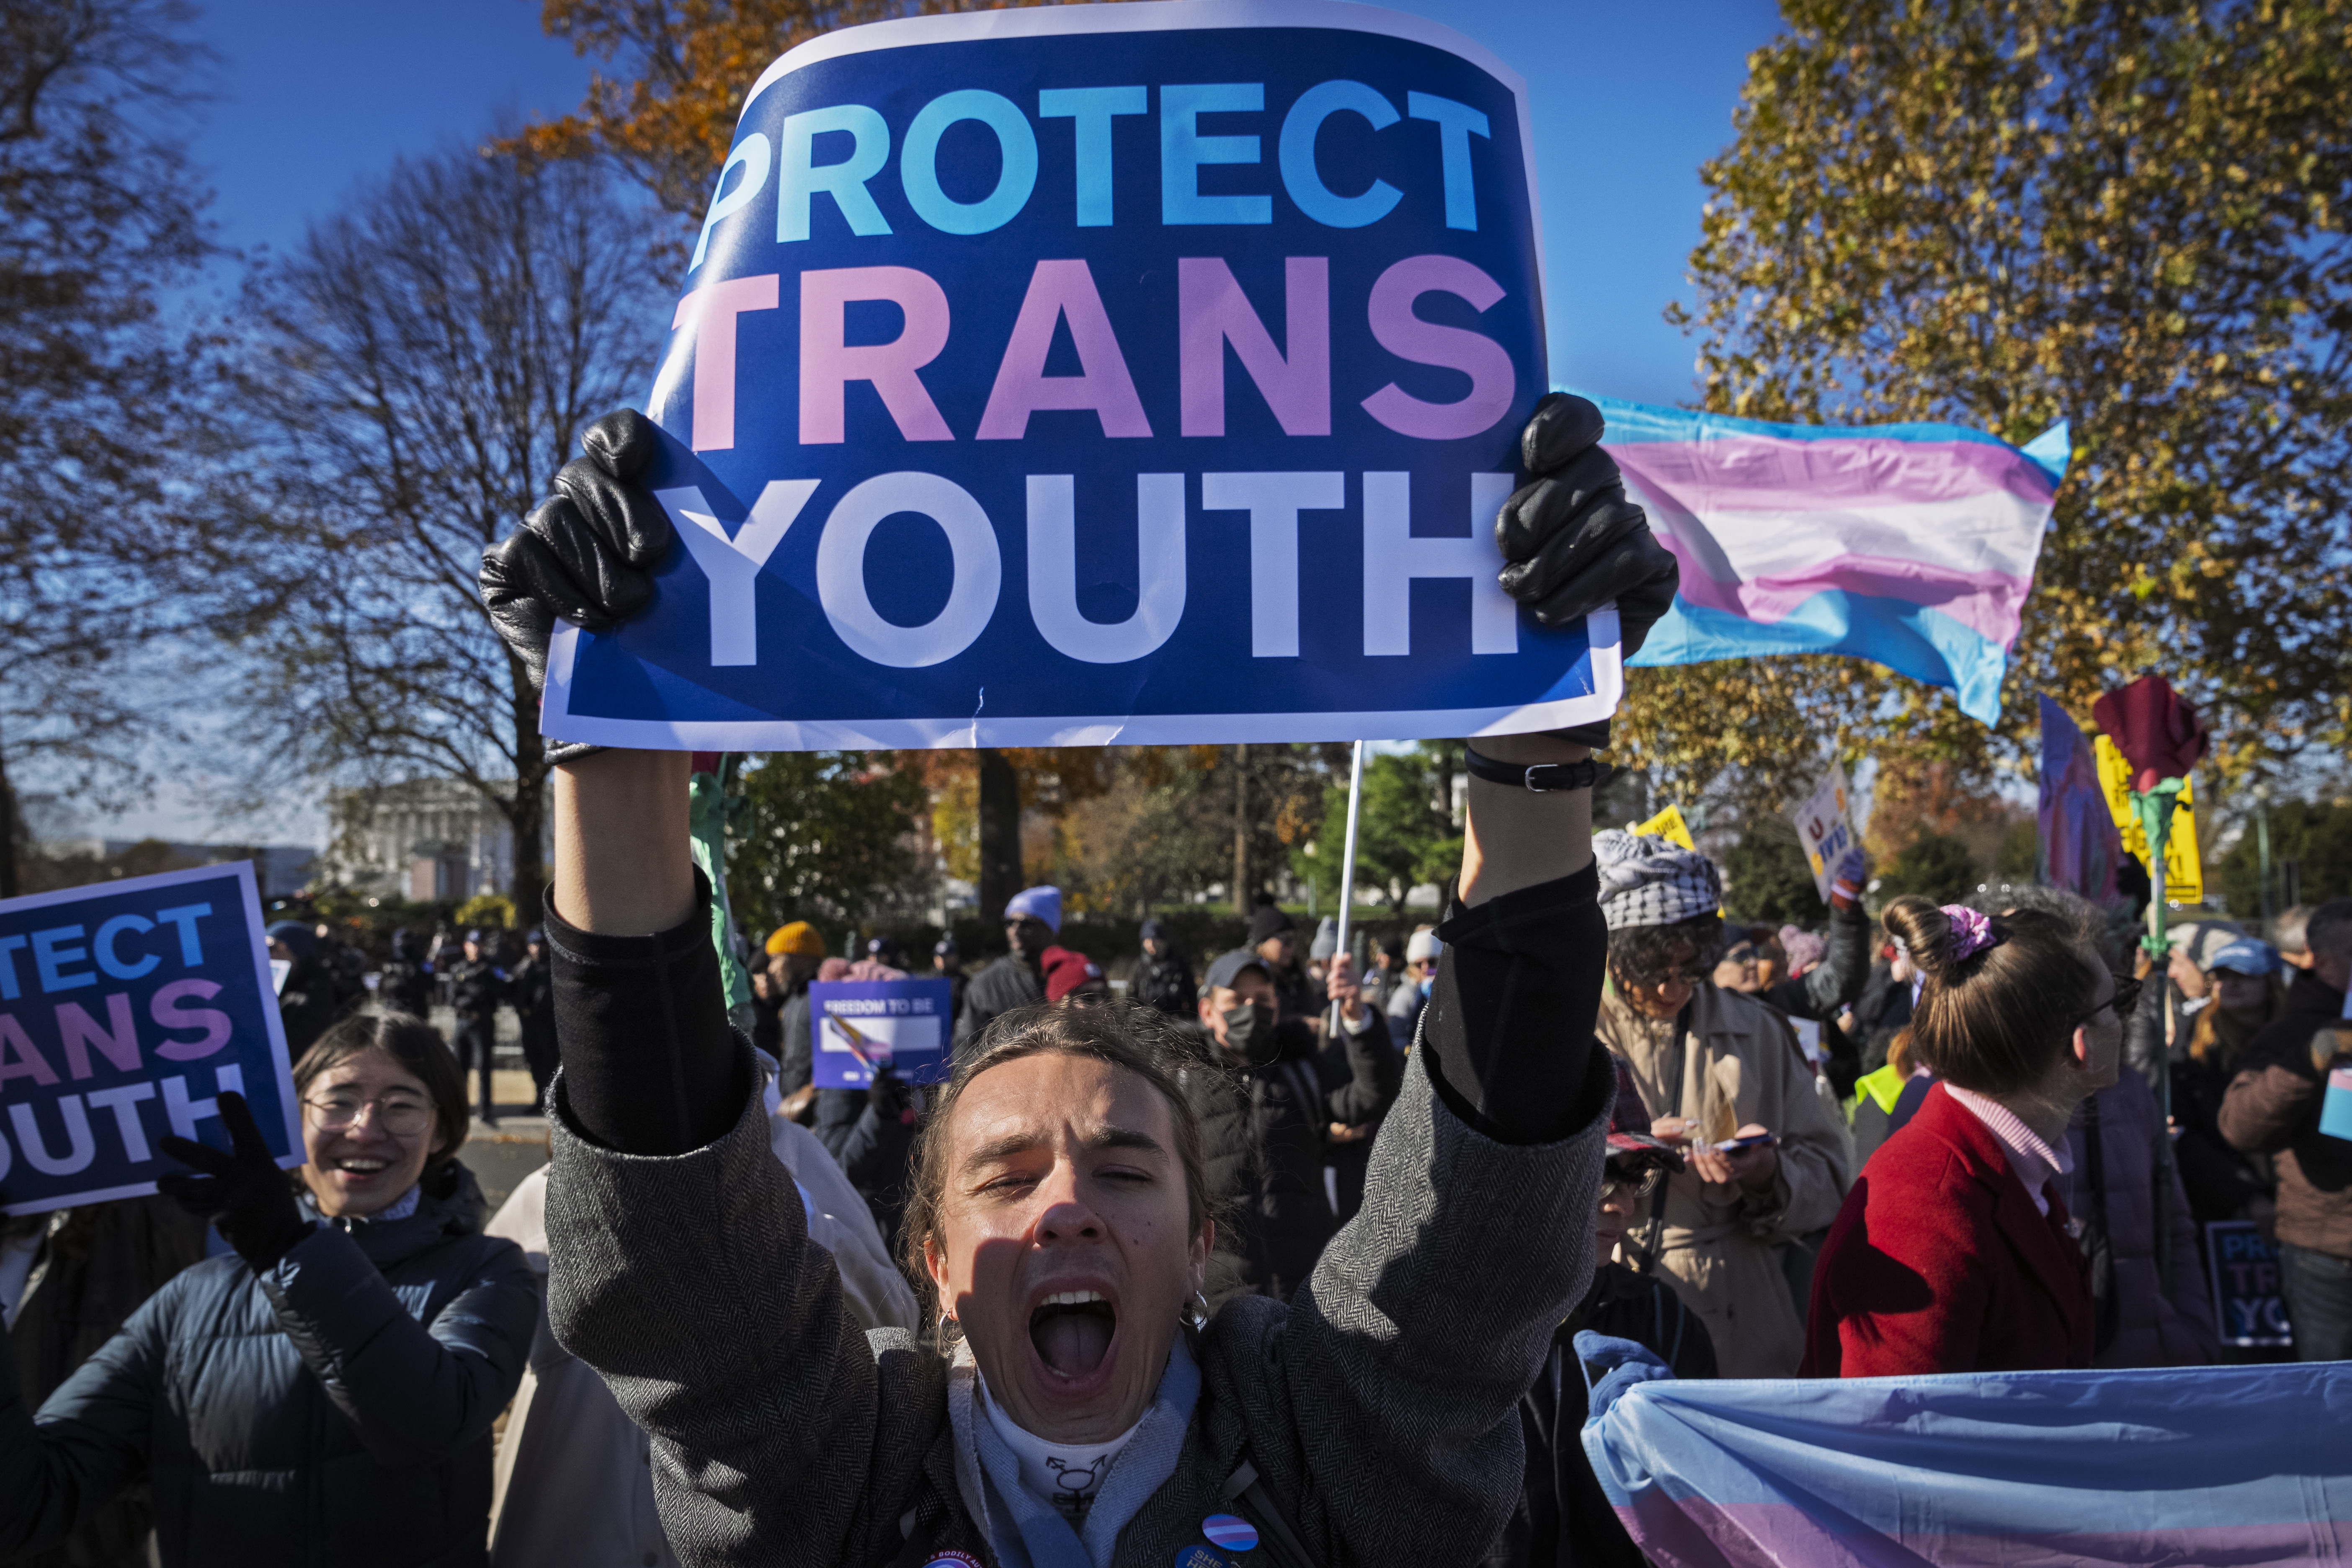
{"x": 1067, "y": 1475}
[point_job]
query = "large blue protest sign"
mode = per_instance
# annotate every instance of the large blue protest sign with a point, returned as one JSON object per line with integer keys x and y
{"x": 860, "y": 1025}
{"x": 2248, "y": 1305}
{"x": 1145, "y": 372}
{"x": 125, "y": 1010}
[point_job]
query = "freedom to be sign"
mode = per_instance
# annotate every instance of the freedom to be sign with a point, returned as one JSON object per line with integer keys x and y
{"x": 861, "y": 1024}
{"x": 1060, "y": 376}
{"x": 125, "y": 1010}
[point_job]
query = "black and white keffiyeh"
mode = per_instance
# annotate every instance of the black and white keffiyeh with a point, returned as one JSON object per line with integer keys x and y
{"x": 1646, "y": 881}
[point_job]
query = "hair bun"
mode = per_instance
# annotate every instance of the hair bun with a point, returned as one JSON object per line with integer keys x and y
{"x": 1924, "y": 931}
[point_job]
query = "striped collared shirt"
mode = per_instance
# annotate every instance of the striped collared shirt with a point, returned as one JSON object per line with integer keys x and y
{"x": 2033, "y": 1159}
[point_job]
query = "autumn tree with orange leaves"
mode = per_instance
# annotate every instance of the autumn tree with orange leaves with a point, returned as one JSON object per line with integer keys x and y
{"x": 679, "y": 69}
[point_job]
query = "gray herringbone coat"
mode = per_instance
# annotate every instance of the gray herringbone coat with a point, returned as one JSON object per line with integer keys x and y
{"x": 1382, "y": 1402}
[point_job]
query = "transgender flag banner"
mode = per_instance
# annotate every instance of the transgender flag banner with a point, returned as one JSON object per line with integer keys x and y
{"x": 2034, "y": 1470}
{"x": 2080, "y": 845}
{"x": 1909, "y": 545}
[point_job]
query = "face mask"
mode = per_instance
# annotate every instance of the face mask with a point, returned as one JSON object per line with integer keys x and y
{"x": 1249, "y": 1033}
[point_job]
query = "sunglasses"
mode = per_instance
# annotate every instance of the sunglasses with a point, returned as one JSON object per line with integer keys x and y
{"x": 1630, "y": 1188}
{"x": 2126, "y": 998}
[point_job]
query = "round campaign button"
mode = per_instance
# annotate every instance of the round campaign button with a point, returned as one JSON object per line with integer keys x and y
{"x": 1199, "y": 1556}
{"x": 1232, "y": 1533}
{"x": 953, "y": 1559}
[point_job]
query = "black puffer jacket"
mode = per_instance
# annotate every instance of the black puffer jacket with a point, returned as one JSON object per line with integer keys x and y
{"x": 335, "y": 1411}
{"x": 1261, "y": 1132}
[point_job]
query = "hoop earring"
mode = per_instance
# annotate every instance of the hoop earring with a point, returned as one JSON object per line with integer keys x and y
{"x": 1198, "y": 1316}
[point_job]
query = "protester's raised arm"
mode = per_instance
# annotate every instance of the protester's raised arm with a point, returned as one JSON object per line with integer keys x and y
{"x": 756, "y": 1379}
{"x": 1517, "y": 837}
{"x": 622, "y": 862}
{"x": 1375, "y": 1067}
{"x": 1510, "y": 1023}
{"x": 1510, "y": 1019}
{"x": 1426, "y": 1318}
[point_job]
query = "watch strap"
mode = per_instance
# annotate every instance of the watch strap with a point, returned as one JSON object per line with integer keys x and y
{"x": 1544, "y": 778}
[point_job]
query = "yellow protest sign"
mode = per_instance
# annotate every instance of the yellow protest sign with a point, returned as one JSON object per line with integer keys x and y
{"x": 2184, "y": 866}
{"x": 1669, "y": 825}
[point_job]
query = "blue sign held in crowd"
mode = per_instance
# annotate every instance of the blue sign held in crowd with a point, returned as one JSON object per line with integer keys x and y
{"x": 1145, "y": 373}
{"x": 859, "y": 1024}
{"x": 2244, "y": 1269}
{"x": 126, "y": 1009}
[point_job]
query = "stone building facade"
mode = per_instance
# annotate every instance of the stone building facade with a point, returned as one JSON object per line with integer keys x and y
{"x": 420, "y": 838}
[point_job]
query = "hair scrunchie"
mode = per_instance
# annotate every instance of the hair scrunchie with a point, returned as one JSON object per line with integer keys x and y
{"x": 1972, "y": 931}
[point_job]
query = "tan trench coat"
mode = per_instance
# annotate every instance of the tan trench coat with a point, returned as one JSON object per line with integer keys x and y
{"x": 1740, "y": 1065}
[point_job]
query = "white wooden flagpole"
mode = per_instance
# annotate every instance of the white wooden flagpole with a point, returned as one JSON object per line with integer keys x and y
{"x": 1347, "y": 866}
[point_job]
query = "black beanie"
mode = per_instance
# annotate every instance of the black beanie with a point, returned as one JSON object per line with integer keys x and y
{"x": 1269, "y": 921}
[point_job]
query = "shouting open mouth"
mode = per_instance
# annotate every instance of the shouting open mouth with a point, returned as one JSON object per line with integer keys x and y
{"x": 1072, "y": 1332}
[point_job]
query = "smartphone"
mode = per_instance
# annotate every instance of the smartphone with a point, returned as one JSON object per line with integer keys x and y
{"x": 1753, "y": 1141}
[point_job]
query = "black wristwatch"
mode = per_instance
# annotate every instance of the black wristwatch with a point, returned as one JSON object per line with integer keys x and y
{"x": 1544, "y": 778}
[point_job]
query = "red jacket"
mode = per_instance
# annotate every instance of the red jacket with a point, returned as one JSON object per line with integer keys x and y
{"x": 1939, "y": 1262}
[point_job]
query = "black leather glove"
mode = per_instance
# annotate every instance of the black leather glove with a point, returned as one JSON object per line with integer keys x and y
{"x": 1573, "y": 540}
{"x": 886, "y": 1096}
{"x": 244, "y": 1193}
{"x": 585, "y": 553}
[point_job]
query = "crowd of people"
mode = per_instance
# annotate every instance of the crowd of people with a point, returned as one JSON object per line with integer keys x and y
{"x": 1279, "y": 1247}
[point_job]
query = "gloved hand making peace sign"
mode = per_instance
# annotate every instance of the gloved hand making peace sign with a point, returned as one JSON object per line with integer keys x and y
{"x": 243, "y": 1193}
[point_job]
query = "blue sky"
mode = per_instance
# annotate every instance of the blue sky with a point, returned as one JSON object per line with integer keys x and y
{"x": 315, "y": 96}
{"x": 319, "y": 94}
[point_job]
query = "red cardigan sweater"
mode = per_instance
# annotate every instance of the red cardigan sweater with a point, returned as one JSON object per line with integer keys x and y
{"x": 1939, "y": 1262}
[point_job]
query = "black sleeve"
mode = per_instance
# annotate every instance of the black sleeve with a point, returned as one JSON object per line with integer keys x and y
{"x": 649, "y": 1064}
{"x": 1692, "y": 1352}
{"x": 1374, "y": 1070}
{"x": 95, "y": 1439}
{"x": 871, "y": 1153}
{"x": 1509, "y": 1030}
{"x": 2144, "y": 1047}
{"x": 796, "y": 1065}
{"x": 848, "y": 1127}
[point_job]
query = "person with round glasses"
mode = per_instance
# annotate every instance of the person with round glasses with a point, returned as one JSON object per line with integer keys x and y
{"x": 1722, "y": 1073}
{"x": 325, "y": 1392}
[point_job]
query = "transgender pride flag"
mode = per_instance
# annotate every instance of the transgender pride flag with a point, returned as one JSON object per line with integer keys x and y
{"x": 1910, "y": 545}
{"x": 2035, "y": 1469}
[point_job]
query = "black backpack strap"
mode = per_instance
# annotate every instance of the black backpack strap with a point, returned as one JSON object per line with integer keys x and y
{"x": 1282, "y": 1541}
